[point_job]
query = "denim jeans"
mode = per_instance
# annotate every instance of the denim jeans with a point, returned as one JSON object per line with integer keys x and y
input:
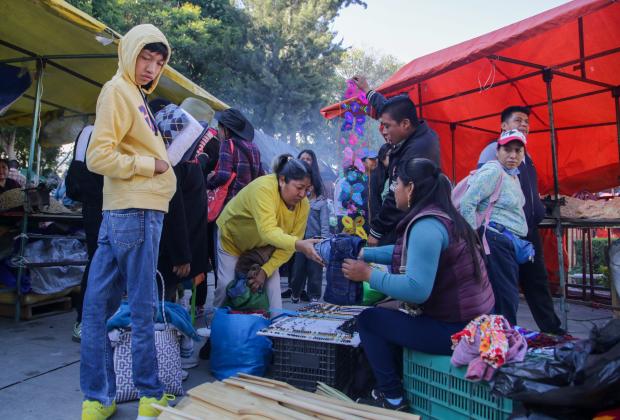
{"x": 126, "y": 260}
{"x": 503, "y": 271}
{"x": 384, "y": 332}
{"x": 306, "y": 273}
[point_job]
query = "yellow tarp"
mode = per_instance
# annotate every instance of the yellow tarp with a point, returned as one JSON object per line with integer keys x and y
{"x": 54, "y": 27}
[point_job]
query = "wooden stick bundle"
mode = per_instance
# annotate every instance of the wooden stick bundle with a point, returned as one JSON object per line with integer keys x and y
{"x": 252, "y": 397}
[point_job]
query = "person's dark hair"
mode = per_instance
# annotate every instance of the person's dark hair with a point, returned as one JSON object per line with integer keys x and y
{"x": 157, "y": 47}
{"x": 6, "y": 162}
{"x": 315, "y": 175}
{"x": 291, "y": 169}
{"x": 431, "y": 186}
{"x": 507, "y": 113}
{"x": 401, "y": 107}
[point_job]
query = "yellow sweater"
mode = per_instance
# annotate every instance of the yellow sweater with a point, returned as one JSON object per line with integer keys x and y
{"x": 257, "y": 217}
{"x": 125, "y": 141}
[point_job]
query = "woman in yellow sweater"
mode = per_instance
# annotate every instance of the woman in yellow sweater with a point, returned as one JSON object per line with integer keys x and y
{"x": 271, "y": 210}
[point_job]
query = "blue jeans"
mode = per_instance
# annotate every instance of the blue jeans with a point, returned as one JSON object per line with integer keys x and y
{"x": 126, "y": 259}
{"x": 503, "y": 271}
{"x": 384, "y": 332}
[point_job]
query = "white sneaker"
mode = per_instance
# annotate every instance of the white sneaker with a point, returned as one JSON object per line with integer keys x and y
{"x": 184, "y": 375}
{"x": 204, "y": 332}
{"x": 189, "y": 362}
{"x": 186, "y": 300}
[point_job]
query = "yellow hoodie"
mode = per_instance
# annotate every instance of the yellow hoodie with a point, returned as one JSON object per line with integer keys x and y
{"x": 125, "y": 140}
{"x": 257, "y": 216}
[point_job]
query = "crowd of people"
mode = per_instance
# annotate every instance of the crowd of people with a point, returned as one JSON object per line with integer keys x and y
{"x": 167, "y": 193}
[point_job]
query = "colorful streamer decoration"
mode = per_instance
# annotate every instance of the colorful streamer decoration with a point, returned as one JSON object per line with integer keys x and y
{"x": 353, "y": 194}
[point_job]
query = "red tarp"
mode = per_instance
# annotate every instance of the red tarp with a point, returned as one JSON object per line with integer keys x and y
{"x": 448, "y": 85}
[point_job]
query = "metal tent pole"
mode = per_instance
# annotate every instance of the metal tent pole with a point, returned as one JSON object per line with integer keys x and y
{"x": 616, "y": 94}
{"x": 547, "y": 78}
{"x": 453, "y": 136}
{"x": 38, "y": 162}
{"x": 33, "y": 139}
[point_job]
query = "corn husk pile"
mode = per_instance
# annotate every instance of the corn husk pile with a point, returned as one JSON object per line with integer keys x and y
{"x": 252, "y": 397}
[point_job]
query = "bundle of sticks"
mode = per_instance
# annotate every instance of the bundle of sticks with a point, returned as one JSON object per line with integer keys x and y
{"x": 255, "y": 398}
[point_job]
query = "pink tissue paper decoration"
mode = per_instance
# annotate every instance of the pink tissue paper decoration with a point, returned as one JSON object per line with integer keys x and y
{"x": 348, "y": 157}
{"x": 353, "y": 139}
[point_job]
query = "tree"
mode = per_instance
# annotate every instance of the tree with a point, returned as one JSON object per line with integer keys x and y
{"x": 377, "y": 68}
{"x": 292, "y": 54}
{"x": 207, "y": 37}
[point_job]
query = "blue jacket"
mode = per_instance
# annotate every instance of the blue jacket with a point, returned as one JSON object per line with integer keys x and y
{"x": 175, "y": 314}
{"x": 533, "y": 208}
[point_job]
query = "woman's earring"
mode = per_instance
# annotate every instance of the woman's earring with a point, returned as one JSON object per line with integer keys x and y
{"x": 409, "y": 203}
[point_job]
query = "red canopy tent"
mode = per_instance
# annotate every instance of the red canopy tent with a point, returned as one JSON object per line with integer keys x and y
{"x": 563, "y": 63}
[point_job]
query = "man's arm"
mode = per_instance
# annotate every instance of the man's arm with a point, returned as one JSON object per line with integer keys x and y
{"x": 111, "y": 126}
{"x": 375, "y": 99}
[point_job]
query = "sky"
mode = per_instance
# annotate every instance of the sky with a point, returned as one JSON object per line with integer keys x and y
{"x": 408, "y": 29}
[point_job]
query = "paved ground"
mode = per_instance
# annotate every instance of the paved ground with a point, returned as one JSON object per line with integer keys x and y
{"x": 40, "y": 365}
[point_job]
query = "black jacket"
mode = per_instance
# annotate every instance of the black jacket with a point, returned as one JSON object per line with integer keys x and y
{"x": 375, "y": 188}
{"x": 184, "y": 233}
{"x": 423, "y": 143}
{"x": 534, "y": 209}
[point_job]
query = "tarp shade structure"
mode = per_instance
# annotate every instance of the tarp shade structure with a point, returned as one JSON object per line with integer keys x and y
{"x": 77, "y": 65}
{"x": 271, "y": 148}
{"x": 466, "y": 86}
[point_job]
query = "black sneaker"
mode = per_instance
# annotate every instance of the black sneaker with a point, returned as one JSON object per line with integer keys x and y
{"x": 294, "y": 299}
{"x": 287, "y": 293}
{"x": 377, "y": 399}
{"x": 303, "y": 296}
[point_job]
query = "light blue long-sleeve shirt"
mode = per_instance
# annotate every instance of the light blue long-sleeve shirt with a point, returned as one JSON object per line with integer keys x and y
{"x": 428, "y": 237}
{"x": 508, "y": 210}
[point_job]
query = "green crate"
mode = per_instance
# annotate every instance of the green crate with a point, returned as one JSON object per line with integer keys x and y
{"x": 435, "y": 389}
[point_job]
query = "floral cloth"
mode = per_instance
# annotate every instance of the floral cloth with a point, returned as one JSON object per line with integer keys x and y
{"x": 485, "y": 344}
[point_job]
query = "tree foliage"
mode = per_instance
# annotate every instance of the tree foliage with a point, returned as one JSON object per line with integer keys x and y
{"x": 276, "y": 60}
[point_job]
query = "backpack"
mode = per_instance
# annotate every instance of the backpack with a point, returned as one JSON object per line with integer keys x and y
{"x": 482, "y": 219}
{"x": 83, "y": 185}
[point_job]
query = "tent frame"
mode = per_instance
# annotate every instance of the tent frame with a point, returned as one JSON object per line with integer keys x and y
{"x": 547, "y": 73}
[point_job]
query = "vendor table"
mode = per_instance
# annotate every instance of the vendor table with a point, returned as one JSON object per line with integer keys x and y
{"x": 585, "y": 225}
{"x": 23, "y": 238}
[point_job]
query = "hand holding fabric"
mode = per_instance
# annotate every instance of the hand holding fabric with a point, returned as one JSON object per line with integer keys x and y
{"x": 355, "y": 270}
{"x": 182, "y": 270}
{"x": 257, "y": 281}
{"x": 306, "y": 247}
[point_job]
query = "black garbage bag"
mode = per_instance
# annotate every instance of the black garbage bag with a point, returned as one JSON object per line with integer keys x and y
{"x": 582, "y": 378}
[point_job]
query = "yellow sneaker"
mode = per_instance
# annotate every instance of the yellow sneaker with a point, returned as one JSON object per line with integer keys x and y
{"x": 94, "y": 410}
{"x": 147, "y": 412}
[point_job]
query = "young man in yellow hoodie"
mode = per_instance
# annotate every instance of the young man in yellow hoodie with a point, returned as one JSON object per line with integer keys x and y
{"x": 128, "y": 150}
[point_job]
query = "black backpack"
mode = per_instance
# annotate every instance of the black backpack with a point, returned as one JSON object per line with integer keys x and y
{"x": 82, "y": 184}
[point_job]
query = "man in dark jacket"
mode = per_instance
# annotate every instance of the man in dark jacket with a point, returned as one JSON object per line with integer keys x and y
{"x": 532, "y": 276}
{"x": 86, "y": 187}
{"x": 410, "y": 138}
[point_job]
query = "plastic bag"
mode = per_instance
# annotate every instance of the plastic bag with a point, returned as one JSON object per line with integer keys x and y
{"x": 240, "y": 297}
{"x": 581, "y": 379}
{"x": 370, "y": 295}
{"x": 235, "y": 346}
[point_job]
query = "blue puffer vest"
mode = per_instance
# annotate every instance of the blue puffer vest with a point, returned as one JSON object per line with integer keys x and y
{"x": 457, "y": 295}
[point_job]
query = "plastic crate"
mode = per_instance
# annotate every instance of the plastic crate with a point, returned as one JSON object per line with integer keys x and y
{"x": 435, "y": 389}
{"x": 303, "y": 363}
